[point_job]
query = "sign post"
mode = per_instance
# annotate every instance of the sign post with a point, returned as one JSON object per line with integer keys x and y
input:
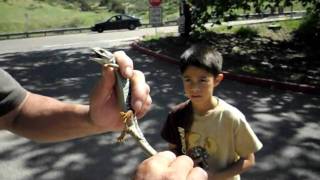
{"x": 155, "y": 16}
{"x": 155, "y": 13}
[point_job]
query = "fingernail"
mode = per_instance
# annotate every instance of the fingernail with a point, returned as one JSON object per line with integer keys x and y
{"x": 128, "y": 72}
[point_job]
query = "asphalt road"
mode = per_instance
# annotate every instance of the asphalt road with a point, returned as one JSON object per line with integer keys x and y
{"x": 89, "y": 39}
{"x": 286, "y": 122}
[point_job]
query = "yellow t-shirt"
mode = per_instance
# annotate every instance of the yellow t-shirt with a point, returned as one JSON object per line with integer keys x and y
{"x": 225, "y": 134}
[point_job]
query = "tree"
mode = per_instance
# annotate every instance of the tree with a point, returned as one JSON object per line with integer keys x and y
{"x": 185, "y": 12}
{"x": 113, "y": 5}
{"x": 84, "y": 6}
{"x": 309, "y": 31}
{"x": 218, "y": 10}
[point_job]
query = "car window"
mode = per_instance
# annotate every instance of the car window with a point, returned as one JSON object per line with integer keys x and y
{"x": 113, "y": 19}
{"x": 125, "y": 17}
{"x": 118, "y": 18}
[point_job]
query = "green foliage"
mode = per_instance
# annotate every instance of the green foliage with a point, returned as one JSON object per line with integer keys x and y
{"x": 47, "y": 14}
{"x": 309, "y": 30}
{"x": 287, "y": 28}
{"x": 20, "y": 16}
{"x": 32, "y": 15}
{"x": 84, "y": 6}
{"x": 170, "y": 10}
{"x": 74, "y": 22}
{"x": 249, "y": 69}
{"x": 247, "y": 32}
{"x": 222, "y": 10}
{"x": 113, "y": 5}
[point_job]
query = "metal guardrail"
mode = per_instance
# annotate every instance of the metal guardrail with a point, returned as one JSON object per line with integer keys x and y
{"x": 64, "y": 31}
{"x": 42, "y": 32}
{"x": 167, "y": 23}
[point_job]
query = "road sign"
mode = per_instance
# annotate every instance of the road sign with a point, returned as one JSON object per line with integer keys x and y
{"x": 155, "y": 16}
{"x": 155, "y": 3}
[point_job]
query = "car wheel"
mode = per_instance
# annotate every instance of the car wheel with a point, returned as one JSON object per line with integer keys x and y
{"x": 132, "y": 27}
{"x": 100, "y": 30}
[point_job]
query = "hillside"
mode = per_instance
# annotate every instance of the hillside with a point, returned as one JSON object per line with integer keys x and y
{"x": 31, "y": 15}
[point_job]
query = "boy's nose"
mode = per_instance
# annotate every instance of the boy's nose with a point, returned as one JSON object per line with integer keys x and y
{"x": 195, "y": 88}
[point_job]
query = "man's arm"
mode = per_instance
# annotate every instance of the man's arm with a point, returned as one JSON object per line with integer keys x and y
{"x": 242, "y": 165}
{"x": 46, "y": 119}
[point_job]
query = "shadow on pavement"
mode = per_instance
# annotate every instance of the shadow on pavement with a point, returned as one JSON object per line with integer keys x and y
{"x": 286, "y": 122}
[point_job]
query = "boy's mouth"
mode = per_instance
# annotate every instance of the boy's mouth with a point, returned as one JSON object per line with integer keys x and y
{"x": 195, "y": 96}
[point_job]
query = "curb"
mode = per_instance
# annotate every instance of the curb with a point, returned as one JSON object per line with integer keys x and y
{"x": 304, "y": 88}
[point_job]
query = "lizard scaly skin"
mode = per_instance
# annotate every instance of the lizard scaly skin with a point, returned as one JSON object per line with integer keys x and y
{"x": 123, "y": 93}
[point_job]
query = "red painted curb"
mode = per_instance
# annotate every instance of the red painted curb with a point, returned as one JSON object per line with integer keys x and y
{"x": 305, "y": 88}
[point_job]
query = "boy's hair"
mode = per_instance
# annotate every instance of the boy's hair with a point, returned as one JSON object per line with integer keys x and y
{"x": 202, "y": 56}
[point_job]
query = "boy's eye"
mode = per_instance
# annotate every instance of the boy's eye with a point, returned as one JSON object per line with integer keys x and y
{"x": 186, "y": 80}
{"x": 204, "y": 80}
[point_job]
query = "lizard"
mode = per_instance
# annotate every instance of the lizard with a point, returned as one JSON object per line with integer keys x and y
{"x": 127, "y": 114}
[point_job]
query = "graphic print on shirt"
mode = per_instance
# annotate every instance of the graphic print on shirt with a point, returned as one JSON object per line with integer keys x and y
{"x": 208, "y": 143}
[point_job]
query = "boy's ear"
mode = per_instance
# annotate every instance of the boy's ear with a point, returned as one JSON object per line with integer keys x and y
{"x": 218, "y": 79}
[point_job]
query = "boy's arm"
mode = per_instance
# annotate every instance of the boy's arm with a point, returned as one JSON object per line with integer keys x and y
{"x": 172, "y": 148}
{"x": 242, "y": 165}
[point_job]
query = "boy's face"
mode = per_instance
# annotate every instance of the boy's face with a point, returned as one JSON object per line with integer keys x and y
{"x": 199, "y": 84}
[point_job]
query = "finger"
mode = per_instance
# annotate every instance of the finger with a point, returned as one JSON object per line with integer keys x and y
{"x": 155, "y": 166}
{"x": 145, "y": 108}
{"x": 125, "y": 63}
{"x": 163, "y": 158}
{"x": 180, "y": 167}
{"x": 197, "y": 173}
{"x": 140, "y": 91}
{"x": 146, "y": 103}
{"x": 104, "y": 87}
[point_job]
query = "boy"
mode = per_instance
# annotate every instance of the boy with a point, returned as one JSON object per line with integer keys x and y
{"x": 215, "y": 134}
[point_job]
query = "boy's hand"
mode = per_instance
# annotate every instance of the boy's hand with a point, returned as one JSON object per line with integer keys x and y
{"x": 104, "y": 110}
{"x": 165, "y": 165}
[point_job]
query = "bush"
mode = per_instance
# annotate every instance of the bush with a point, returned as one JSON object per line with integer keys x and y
{"x": 117, "y": 7}
{"x": 309, "y": 30}
{"x": 113, "y": 5}
{"x": 247, "y": 32}
{"x": 75, "y": 22}
{"x": 84, "y": 6}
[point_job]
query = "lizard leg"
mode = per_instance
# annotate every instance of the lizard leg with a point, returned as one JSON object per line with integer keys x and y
{"x": 126, "y": 118}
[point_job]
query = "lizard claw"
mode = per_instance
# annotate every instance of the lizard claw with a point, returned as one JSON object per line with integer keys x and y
{"x": 122, "y": 137}
{"x": 126, "y": 118}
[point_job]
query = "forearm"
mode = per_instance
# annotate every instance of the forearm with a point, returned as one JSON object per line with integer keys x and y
{"x": 242, "y": 165}
{"x": 52, "y": 120}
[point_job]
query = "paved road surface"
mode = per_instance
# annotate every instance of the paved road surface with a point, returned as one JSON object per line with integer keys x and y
{"x": 286, "y": 122}
{"x": 88, "y": 39}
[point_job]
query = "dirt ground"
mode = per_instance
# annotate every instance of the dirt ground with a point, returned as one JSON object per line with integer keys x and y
{"x": 285, "y": 61}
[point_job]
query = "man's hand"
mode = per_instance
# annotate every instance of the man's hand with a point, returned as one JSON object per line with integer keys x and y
{"x": 165, "y": 165}
{"x": 104, "y": 110}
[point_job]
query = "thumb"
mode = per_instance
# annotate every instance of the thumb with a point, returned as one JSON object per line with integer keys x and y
{"x": 104, "y": 88}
